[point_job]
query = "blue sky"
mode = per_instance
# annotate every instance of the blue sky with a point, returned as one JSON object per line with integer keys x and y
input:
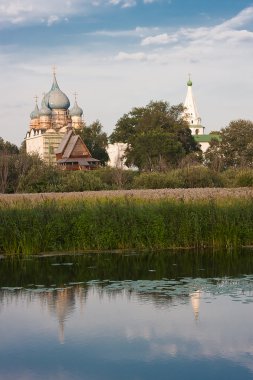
{"x": 117, "y": 54}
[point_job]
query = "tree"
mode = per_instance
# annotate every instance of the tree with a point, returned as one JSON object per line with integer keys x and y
{"x": 214, "y": 157}
{"x": 96, "y": 141}
{"x": 237, "y": 143}
{"x": 7, "y": 151}
{"x": 156, "y": 135}
{"x": 235, "y": 148}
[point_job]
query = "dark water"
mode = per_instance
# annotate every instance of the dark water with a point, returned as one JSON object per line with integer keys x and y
{"x": 181, "y": 315}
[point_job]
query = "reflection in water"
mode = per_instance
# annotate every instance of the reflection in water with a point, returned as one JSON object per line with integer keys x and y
{"x": 195, "y": 300}
{"x": 135, "y": 328}
{"x": 62, "y": 303}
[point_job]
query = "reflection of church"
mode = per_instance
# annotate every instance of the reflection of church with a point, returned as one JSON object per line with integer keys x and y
{"x": 62, "y": 304}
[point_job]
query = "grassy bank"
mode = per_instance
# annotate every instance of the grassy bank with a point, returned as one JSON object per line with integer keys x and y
{"x": 124, "y": 223}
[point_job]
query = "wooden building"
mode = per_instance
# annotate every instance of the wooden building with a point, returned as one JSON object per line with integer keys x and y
{"x": 73, "y": 154}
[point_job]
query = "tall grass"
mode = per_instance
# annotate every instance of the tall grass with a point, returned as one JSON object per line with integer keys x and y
{"x": 123, "y": 223}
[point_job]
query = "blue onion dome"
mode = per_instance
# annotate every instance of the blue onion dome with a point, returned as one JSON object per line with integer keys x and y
{"x": 76, "y": 110}
{"x": 35, "y": 113}
{"x": 56, "y": 98}
{"x": 45, "y": 111}
{"x": 45, "y": 99}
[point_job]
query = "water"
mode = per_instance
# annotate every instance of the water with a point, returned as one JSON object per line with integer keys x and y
{"x": 130, "y": 316}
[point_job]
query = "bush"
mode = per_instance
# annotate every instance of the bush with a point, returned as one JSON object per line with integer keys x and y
{"x": 158, "y": 180}
{"x": 199, "y": 176}
{"x": 116, "y": 178}
{"x": 244, "y": 178}
{"x": 81, "y": 181}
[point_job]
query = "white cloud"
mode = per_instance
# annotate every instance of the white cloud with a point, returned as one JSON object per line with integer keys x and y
{"x": 139, "y": 31}
{"x": 219, "y": 58}
{"x": 139, "y": 56}
{"x": 123, "y": 3}
{"x": 32, "y": 12}
{"x": 52, "y": 20}
{"x": 229, "y": 31}
{"x": 159, "y": 39}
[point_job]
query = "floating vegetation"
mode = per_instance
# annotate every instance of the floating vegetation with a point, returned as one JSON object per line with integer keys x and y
{"x": 238, "y": 289}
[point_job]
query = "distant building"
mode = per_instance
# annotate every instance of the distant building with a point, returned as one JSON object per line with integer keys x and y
{"x": 116, "y": 153}
{"x": 191, "y": 114}
{"x": 73, "y": 154}
{"x": 50, "y": 122}
{"x": 193, "y": 118}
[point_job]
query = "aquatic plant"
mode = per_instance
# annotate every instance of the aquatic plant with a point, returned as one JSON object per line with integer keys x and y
{"x": 124, "y": 223}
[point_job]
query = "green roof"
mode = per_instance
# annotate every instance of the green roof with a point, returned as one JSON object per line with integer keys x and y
{"x": 206, "y": 138}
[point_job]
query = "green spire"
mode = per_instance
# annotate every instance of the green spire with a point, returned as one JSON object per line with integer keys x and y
{"x": 189, "y": 83}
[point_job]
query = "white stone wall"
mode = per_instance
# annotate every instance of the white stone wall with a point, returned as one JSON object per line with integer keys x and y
{"x": 34, "y": 144}
{"x": 43, "y": 144}
{"x": 116, "y": 155}
{"x": 204, "y": 146}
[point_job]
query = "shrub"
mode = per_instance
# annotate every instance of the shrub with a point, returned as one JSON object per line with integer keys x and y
{"x": 244, "y": 178}
{"x": 199, "y": 176}
{"x": 157, "y": 180}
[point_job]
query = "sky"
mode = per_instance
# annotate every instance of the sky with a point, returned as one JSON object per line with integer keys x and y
{"x": 120, "y": 54}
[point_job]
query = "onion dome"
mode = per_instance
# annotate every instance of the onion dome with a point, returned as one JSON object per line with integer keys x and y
{"x": 76, "y": 110}
{"x": 35, "y": 113}
{"x": 56, "y": 99}
{"x": 45, "y": 111}
{"x": 189, "y": 83}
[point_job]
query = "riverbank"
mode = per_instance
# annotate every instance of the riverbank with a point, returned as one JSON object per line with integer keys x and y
{"x": 142, "y": 219}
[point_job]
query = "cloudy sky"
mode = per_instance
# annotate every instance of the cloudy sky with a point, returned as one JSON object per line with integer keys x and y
{"x": 117, "y": 54}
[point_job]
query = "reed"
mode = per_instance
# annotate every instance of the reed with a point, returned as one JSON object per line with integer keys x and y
{"x": 124, "y": 223}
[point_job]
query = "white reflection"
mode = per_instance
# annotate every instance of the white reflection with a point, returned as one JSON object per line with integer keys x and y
{"x": 195, "y": 301}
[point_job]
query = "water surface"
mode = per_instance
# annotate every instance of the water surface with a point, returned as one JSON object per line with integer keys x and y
{"x": 167, "y": 315}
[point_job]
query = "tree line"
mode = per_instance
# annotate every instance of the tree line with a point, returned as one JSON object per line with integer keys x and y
{"x": 160, "y": 147}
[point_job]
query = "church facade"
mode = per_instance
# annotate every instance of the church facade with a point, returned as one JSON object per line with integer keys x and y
{"x": 50, "y": 122}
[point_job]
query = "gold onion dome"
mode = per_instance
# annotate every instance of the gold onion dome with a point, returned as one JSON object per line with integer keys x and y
{"x": 76, "y": 110}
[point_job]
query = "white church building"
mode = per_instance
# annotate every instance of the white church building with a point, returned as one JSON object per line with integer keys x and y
{"x": 51, "y": 121}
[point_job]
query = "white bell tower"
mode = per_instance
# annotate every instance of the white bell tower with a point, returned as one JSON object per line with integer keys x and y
{"x": 191, "y": 114}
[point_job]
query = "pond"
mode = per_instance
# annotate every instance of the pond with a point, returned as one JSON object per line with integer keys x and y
{"x": 164, "y": 315}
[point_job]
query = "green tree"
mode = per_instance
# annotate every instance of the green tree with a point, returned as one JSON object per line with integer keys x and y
{"x": 8, "y": 148}
{"x": 7, "y": 151}
{"x": 96, "y": 141}
{"x": 237, "y": 143}
{"x": 235, "y": 148}
{"x": 156, "y": 136}
{"x": 214, "y": 157}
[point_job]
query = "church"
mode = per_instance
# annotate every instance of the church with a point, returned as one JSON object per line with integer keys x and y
{"x": 50, "y": 125}
{"x": 191, "y": 115}
{"x": 51, "y": 132}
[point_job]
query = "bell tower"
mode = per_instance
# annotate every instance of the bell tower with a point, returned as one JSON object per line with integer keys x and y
{"x": 191, "y": 114}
